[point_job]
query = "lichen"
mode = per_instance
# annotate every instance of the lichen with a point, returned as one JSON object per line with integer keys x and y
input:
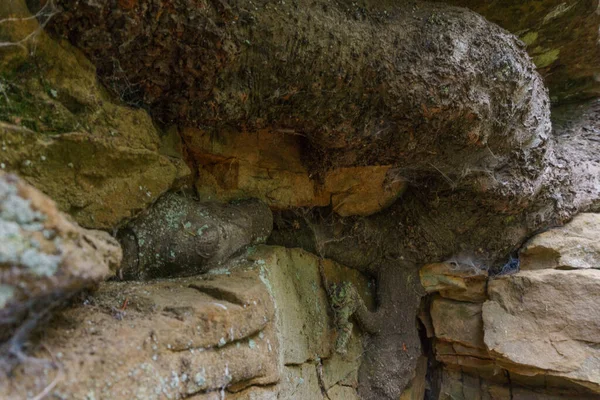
{"x": 15, "y": 208}
{"x": 202, "y": 229}
{"x": 40, "y": 263}
{"x": 17, "y": 218}
{"x": 199, "y": 378}
{"x": 7, "y": 292}
{"x": 344, "y": 300}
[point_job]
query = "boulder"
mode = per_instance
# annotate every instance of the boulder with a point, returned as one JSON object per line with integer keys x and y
{"x": 62, "y": 132}
{"x": 546, "y": 323}
{"x": 45, "y": 258}
{"x": 180, "y": 236}
{"x": 225, "y": 334}
{"x": 573, "y": 246}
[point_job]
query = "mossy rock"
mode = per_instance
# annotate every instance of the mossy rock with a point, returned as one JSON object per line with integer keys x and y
{"x": 63, "y": 132}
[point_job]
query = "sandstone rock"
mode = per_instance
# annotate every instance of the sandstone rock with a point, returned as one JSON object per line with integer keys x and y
{"x": 165, "y": 339}
{"x": 458, "y": 322}
{"x": 458, "y": 330}
{"x": 454, "y": 282}
{"x": 99, "y": 181}
{"x": 221, "y": 335}
{"x": 305, "y": 331}
{"x": 457, "y": 385}
{"x": 44, "y": 259}
{"x": 180, "y": 236}
{"x": 362, "y": 190}
{"x": 545, "y": 323}
{"x": 573, "y": 246}
{"x": 269, "y": 165}
{"x": 302, "y": 383}
{"x": 62, "y": 132}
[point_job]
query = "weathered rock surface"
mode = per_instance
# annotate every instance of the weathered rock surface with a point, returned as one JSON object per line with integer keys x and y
{"x": 546, "y": 322}
{"x": 269, "y": 165}
{"x": 180, "y": 236}
{"x": 573, "y": 246}
{"x": 458, "y": 328}
{"x": 532, "y": 335}
{"x": 454, "y": 281}
{"x": 62, "y": 132}
{"x": 258, "y": 330}
{"x": 457, "y": 385}
{"x": 426, "y": 93}
{"x": 44, "y": 259}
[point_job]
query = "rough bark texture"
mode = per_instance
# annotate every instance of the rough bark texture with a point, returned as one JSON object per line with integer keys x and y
{"x": 451, "y": 100}
{"x": 435, "y": 220}
{"x": 427, "y": 87}
{"x": 448, "y": 99}
{"x": 562, "y": 38}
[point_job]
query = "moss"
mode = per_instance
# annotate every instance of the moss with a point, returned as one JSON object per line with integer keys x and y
{"x": 545, "y": 59}
{"x": 27, "y": 100}
{"x": 530, "y": 38}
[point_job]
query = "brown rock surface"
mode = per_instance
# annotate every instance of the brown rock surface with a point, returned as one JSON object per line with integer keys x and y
{"x": 573, "y": 246}
{"x": 457, "y": 385}
{"x": 459, "y": 322}
{"x": 545, "y": 323}
{"x": 44, "y": 259}
{"x": 100, "y": 181}
{"x": 63, "y": 133}
{"x": 458, "y": 328}
{"x": 454, "y": 281}
{"x": 269, "y": 165}
{"x": 221, "y": 334}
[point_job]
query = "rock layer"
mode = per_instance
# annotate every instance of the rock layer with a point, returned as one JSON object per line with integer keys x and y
{"x": 259, "y": 329}
{"x": 269, "y": 165}
{"x": 545, "y": 322}
{"x": 44, "y": 259}
{"x": 573, "y": 246}
{"x": 534, "y": 329}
